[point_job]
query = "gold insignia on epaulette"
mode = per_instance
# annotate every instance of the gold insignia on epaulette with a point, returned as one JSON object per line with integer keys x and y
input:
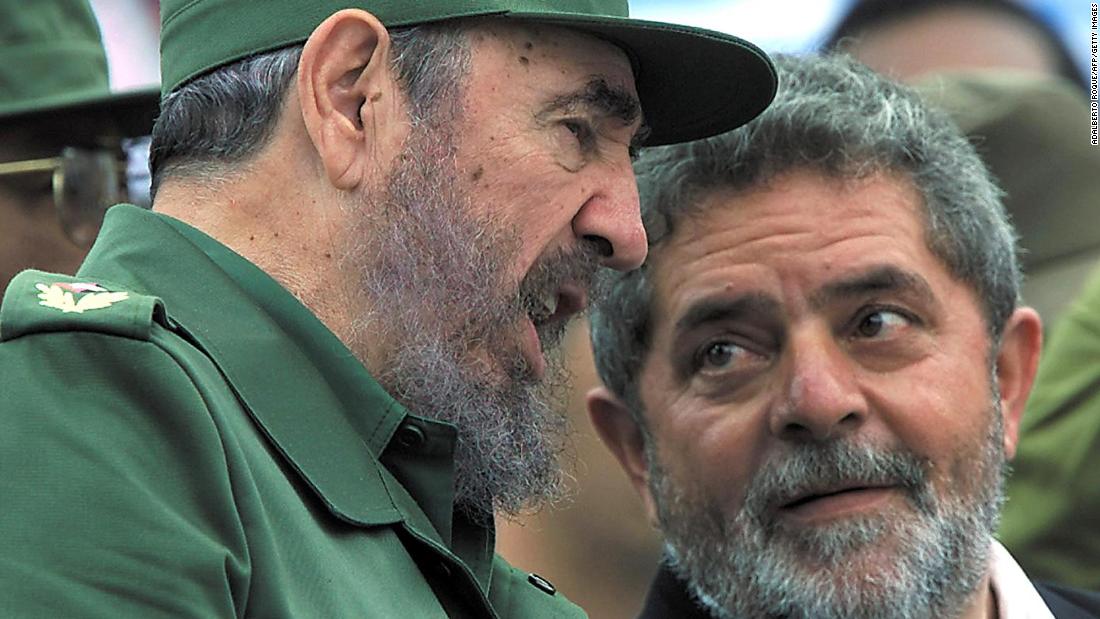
{"x": 60, "y": 296}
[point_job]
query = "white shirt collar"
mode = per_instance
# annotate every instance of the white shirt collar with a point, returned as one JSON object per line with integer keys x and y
{"x": 1016, "y": 596}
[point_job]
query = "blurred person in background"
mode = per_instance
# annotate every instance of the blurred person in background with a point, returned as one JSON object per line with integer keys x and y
{"x": 63, "y": 135}
{"x": 916, "y": 41}
{"x": 815, "y": 380}
{"x": 909, "y": 39}
{"x": 1028, "y": 128}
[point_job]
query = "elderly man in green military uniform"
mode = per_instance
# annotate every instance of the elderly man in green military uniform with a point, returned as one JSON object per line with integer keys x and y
{"x": 303, "y": 384}
{"x": 61, "y": 133}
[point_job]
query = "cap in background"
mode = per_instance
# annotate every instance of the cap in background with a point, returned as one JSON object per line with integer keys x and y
{"x": 52, "y": 65}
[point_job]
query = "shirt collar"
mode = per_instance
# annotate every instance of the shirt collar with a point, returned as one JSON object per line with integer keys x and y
{"x": 312, "y": 398}
{"x": 1016, "y": 596}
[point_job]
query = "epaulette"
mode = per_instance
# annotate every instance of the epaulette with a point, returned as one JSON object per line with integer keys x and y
{"x": 39, "y": 302}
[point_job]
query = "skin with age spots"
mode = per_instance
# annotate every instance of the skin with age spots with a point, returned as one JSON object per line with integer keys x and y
{"x": 557, "y": 135}
{"x": 501, "y": 241}
{"x": 544, "y": 155}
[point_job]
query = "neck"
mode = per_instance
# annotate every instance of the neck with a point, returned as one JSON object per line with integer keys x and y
{"x": 282, "y": 229}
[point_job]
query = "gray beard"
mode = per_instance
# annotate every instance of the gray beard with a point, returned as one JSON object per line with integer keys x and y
{"x": 437, "y": 281}
{"x": 752, "y": 566}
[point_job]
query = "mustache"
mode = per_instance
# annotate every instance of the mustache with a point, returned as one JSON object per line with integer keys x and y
{"x": 815, "y": 468}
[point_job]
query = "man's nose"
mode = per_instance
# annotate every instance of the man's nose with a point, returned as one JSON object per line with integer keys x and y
{"x": 822, "y": 398}
{"x": 611, "y": 218}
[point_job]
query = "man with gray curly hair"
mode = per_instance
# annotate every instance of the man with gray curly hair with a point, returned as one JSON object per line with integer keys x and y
{"x": 816, "y": 378}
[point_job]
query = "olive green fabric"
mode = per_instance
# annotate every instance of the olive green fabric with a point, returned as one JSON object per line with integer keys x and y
{"x": 1051, "y": 521}
{"x": 52, "y": 61}
{"x": 182, "y": 438}
{"x": 1032, "y": 132}
{"x": 693, "y": 83}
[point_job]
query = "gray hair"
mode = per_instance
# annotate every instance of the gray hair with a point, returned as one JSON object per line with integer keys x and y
{"x": 228, "y": 115}
{"x": 836, "y": 117}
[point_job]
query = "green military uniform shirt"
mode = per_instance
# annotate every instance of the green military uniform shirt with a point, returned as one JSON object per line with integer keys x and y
{"x": 179, "y": 437}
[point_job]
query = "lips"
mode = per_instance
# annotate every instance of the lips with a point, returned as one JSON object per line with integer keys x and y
{"x": 836, "y": 501}
{"x": 810, "y": 496}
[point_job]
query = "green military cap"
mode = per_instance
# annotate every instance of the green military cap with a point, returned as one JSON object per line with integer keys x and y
{"x": 693, "y": 83}
{"x": 1032, "y": 130}
{"x": 52, "y": 63}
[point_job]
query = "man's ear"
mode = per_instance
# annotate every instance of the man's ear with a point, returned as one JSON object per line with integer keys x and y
{"x": 349, "y": 98}
{"x": 618, "y": 430}
{"x": 1017, "y": 362}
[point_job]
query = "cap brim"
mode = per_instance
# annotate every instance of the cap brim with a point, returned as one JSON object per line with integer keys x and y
{"x": 132, "y": 112}
{"x": 693, "y": 83}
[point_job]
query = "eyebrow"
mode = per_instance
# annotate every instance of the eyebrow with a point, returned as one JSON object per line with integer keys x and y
{"x": 879, "y": 279}
{"x": 714, "y": 309}
{"x": 600, "y": 98}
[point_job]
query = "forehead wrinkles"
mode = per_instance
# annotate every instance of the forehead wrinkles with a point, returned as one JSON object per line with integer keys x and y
{"x": 791, "y": 216}
{"x": 788, "y": 272}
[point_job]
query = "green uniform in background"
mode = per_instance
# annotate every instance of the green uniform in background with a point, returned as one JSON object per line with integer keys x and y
{"x": 1052, "y": 517}
{"x": 179, "y": 437}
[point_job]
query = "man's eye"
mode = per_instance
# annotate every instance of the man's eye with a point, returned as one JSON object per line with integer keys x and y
{"x": 719, "y": 356}
{"x": 580, "y": 130}
{"x": 880, "y": 322}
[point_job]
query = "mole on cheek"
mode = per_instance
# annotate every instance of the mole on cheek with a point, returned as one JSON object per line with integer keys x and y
{"x": 524, "y": 61}
{"x": 478, "y": 173}
{"x": 528, "y": 45}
